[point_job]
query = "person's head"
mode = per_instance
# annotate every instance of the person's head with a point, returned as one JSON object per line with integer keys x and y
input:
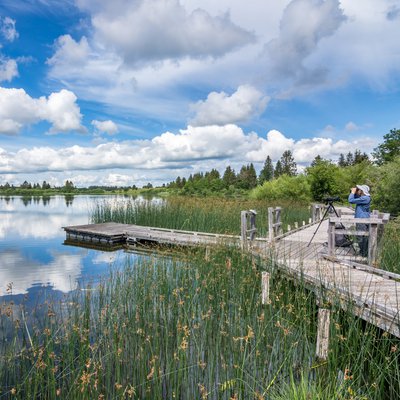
{"x": 363, "y": 190}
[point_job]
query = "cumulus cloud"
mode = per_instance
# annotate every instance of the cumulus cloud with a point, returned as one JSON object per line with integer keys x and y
{"x": 145, "y": 31}
{"x": 8, "y": 69}
{"x": 7, "y": 29}
{"x": 108, "y": 126}
{"x": 303, "y": 25}
{"x": 184, "y": 149}
{"x": 69, "y": 51}
{"x": 221, "y": 109}
{"x": 18, "y": 109}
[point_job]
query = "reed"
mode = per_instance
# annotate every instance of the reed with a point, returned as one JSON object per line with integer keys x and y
{"x": 191, "y": 326}
{"x": 196, "y": 214}
{"x": 389, "y": 249}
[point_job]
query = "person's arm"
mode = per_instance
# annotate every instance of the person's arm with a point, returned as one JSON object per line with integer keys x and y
{"x": 359, "y": 200}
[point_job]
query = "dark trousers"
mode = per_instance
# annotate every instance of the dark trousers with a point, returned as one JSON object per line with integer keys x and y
{"x": 363, "y": 240}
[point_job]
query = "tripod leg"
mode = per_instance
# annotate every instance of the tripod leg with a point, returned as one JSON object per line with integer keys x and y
{"x": 320, "y": 222}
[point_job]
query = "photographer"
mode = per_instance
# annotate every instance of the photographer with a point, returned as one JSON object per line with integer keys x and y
{"x": 361, "y": 198}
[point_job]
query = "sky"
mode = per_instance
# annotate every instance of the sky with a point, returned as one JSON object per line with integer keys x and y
{"x": 127, "y": 92}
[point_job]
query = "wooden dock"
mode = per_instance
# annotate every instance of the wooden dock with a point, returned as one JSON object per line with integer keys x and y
{"x": 305, "y": 253}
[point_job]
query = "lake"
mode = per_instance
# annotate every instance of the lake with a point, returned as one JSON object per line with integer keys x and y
{"x": 33, "y": 258}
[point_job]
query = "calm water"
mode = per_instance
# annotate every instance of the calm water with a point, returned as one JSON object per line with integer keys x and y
{"x": 33, "y": 259}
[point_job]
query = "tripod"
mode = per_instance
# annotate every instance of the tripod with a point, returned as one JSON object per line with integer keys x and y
{"x": 330, "y": 209}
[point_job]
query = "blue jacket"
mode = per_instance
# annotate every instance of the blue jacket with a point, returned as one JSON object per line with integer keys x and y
{"x": 362, "y": 205}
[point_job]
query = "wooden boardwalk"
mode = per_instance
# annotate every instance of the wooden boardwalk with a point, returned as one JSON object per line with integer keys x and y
{"x": 370, "y": 293}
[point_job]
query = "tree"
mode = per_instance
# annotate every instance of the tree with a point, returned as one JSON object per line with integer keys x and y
{"x": 349, "y": 159}
{"x": 360, "y": 157}
{"x": 389, "y": 149}
{"x": 289, "y": 167}
{"x": 267, "y": 173}
{"x": 247, "y": 177}
{"x": 387, "y": 190}
{"x": 68, "y": 186}
{"x": 342, "y": 161}
{"x": 321, "y": 176}
{"x": 229, "y": 177}
{"x": 278, "y": 171}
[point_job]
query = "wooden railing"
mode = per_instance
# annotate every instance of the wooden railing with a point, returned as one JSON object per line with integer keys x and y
{"x": 376, "y": 220}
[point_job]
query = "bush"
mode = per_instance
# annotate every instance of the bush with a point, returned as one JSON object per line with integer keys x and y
{"x": 284, "y": 188}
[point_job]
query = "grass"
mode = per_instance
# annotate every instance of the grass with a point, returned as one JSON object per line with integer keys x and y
{"x": 191, "y": 327}
{"x": 196, "y": 214}
{"x": 390, "y": 247}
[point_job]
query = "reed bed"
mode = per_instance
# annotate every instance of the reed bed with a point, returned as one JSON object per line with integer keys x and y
{"x": 390, "y": 247}
{"x": 191, "y": 327}
{"x": 195, "y": 214}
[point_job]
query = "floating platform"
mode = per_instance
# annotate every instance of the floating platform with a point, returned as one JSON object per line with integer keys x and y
{"x": 112, "y": 234}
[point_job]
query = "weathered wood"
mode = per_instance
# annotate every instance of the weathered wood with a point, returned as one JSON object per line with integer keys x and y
{"x": 265, "y": 287}
{"x": 372, "y": 243}
{"x": 331, "y": 238}
{"x": 243, "y": 230}
{"x": 271, "y": 224}
{"x": 323, "y": 333}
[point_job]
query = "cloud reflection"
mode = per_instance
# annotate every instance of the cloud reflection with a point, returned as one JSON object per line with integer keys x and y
{"x": 61, "y": 273}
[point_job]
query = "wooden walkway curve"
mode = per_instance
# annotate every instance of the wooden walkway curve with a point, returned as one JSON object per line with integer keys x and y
{"x": 370, "y": 293}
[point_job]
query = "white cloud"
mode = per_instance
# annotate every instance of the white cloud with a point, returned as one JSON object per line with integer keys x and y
{"x": 67, "y": 50}
{"x": 303, "y": 25}
{"x": 155, "y": 30}
{"x": 188, "y": 149}
{"x": 351, "y": 127}
{"x": 8, "y": 69}
{"x": 108, "y": 126}
{"x": 7, "y": 29}
{"x": 222, "y": 109}
{"x": 18, "y": 109}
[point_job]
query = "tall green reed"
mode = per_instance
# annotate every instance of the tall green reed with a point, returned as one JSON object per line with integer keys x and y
{"x": 196, "y": 214}
{"x": 192, "y": 327}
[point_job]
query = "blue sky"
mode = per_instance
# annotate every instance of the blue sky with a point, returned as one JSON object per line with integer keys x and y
{"x": 118, "y": 92}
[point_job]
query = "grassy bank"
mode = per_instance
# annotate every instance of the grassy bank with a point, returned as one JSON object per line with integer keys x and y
{"x": 191, "y": 327}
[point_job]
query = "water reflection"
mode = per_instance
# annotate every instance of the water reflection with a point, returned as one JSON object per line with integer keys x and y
{"x": 32, "y": 254}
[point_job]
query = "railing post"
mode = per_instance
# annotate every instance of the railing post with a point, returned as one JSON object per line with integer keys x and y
{"x": 253, "y": 228}
{"x": 278, "y": 222}
{"x": 243, "y": 229}
{"x": 372, "y": 243}
{"x": 270, "y": 224}
{"x": 331, "y": 238}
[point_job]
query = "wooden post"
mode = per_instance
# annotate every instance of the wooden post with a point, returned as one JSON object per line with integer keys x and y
{"x": 331, "y": 238}
{"x": 278, "y": 222}
{"x": 270, "y": 224}
{"x": 253, "y": 215}
{"x": 296, "y": 225}
{"x": 289, "y": 228}
{"x": 372, "y": 243}
{"x": 264, "y": 288}
{"x": 243, "y": 229}
{"x": 323, "y": 333}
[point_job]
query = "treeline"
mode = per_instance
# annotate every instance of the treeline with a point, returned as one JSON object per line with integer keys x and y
{"x": 321, "y": 179}
{"x": 232, "y": 182}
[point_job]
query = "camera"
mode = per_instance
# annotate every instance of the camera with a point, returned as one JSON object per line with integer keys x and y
{"x": 331, "y": 199}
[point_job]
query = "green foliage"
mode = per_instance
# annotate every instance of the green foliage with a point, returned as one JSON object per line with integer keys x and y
{"x": 267, "y": 172}
{"x": 247, "y": 177}
{"x": 278, "y": 171}
{"x": 389, "y": 149}
{"x": 321, "y": 176}
{"x": 387, "y": 190}
{"x": 289, "y": 166}
{"x": 285, "y": 187}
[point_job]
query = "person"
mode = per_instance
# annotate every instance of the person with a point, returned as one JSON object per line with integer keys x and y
{"x": 360, "y": 196}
